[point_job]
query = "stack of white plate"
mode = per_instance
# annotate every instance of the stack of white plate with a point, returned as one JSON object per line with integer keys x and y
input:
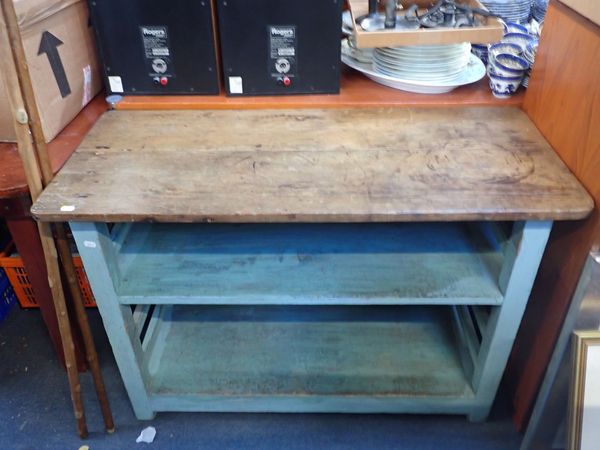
{"x": 538, "y": 10}
{"x": 430, "y": 63}
{"x": 419, "y": 64}
{"x": 510, "y": 10}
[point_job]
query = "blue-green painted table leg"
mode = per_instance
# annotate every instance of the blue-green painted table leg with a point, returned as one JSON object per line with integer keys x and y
{"x": 98, "y": 253}
{"x": 523, "y": 255}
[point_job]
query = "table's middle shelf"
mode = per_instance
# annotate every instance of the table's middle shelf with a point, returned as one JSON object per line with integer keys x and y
{"x": 312, "y": 264}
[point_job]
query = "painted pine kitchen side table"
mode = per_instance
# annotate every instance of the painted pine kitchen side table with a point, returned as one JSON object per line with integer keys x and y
{"x": 315, "y": 260}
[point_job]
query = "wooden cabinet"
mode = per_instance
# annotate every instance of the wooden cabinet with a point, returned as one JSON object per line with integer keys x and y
{"x": 562, "y": 101}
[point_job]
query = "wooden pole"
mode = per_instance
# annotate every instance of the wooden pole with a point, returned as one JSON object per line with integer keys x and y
{"x": 47, "y": 173}
{"x": 33, "y": 175}
{"x": 90, "y": 349}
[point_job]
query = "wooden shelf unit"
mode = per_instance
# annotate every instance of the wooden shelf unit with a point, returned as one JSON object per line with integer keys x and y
{"x": 266, "y": 340}
{"x": 200, "y": 348}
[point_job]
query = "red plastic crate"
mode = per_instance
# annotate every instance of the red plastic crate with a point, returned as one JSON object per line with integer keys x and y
{"x": 17, "y": 275}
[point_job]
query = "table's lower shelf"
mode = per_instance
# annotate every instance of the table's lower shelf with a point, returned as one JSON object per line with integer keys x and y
{"x": 270, "y": 358}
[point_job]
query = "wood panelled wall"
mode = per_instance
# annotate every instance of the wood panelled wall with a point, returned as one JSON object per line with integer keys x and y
{"x": 563, "y": 100}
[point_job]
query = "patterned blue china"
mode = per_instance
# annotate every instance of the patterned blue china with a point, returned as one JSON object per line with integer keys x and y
{"x": 504, "y": 87}
{"x": 510, "y": 65}
{"x": 521, "y": 39}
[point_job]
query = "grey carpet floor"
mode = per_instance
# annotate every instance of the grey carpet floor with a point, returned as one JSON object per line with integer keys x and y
{"x": 35, "y": 412}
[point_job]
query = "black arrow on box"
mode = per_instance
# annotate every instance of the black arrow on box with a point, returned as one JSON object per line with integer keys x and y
{"x": 49, "y": 45}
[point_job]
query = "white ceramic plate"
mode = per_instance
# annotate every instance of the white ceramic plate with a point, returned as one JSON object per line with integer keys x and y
{"x": 449, "y": 52}
{"x": 421, "y": 52}
{"x": 473, "y": 72}
{"x": 509, "y": 9}
{"x": 413, "y": 75}
{"x": 424, "y": 48}
{"x": 410, "y": 64}
{"x": 419, "y": 65}
{"x": 506, "y": 4}
{"x": 416, "y": 62}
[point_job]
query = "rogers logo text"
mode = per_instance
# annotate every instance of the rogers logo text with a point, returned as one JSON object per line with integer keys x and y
{"x": 155, "y": 33}
{"x": 285, "y": 32}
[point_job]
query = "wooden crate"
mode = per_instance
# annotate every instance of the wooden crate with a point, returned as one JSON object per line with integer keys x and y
{"x": 491, "y": 30}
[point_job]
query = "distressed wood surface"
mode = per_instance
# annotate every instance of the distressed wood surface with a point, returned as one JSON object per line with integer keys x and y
{"x": 307, "y": 358}
{"x": 310, "y": 351}
{"x": 346, "y": 264}
{"x": 314, "y": 165}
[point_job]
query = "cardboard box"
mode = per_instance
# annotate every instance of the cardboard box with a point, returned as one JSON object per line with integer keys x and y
{"x": 63, "y": 63}
{"x": 589, "y": 9}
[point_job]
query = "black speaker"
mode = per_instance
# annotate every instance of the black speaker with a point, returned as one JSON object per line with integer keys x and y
{"x": 156, "y": 47}
{"x": 271, "y": 47}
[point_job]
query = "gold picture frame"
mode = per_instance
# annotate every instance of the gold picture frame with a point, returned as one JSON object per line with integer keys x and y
{"x": 583, "y": 341}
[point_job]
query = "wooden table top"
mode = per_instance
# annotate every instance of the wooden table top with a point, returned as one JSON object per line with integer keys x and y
{"x": 12, "y": 175}
{"x": 316, "y": 165}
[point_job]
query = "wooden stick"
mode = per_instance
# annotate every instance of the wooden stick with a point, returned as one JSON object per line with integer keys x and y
{"x": 90, "y": 349}
{"x": 64, "y": 250}
{"x": 33, "y": 175}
